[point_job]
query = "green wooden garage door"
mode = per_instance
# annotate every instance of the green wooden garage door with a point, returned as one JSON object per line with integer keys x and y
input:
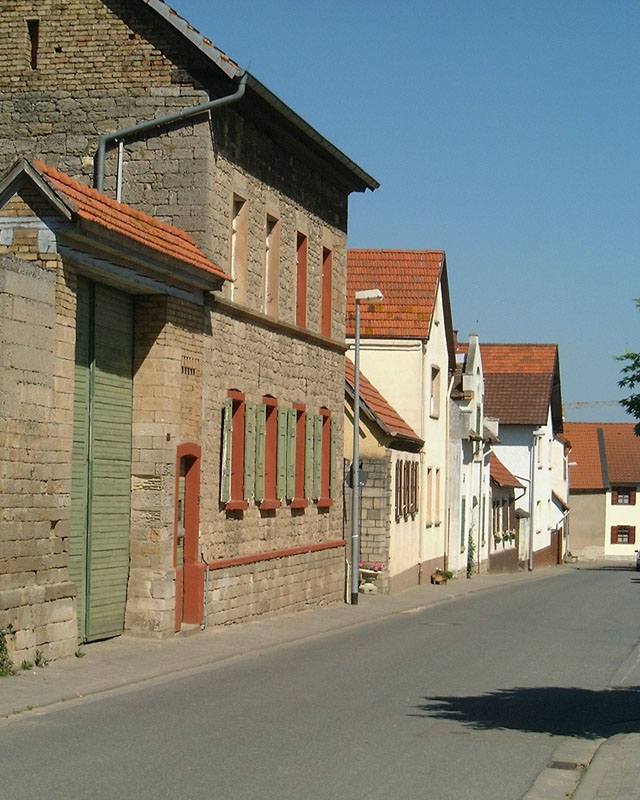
{"x": 101, "y": 469}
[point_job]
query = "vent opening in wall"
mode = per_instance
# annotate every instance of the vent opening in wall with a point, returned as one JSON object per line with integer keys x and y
{"x": 33, "y": 27}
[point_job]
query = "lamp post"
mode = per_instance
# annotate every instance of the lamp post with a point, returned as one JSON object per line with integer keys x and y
{"x": 373, "y": 296}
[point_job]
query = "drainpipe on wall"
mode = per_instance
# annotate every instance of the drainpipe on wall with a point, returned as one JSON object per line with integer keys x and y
{"x": 160, "y": 122}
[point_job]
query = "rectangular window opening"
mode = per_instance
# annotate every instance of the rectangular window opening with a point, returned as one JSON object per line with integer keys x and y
{"x": 301, "y": 280}
{"x": 434, "y": 405}
{"x": 239, "y": 250}
{"x": 33, "y": 27}
{"x": 300, "y": 496}
{"x": 324, "y": 500}
{"x": 271, "y": 266}
{"x": 327, "y": 281}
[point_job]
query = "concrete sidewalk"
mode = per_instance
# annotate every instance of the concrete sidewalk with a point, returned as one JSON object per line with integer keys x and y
{"x": 127, "y": 661}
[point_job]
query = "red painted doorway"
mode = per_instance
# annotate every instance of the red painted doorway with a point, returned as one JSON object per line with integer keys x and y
{"x": 189, "y": 572}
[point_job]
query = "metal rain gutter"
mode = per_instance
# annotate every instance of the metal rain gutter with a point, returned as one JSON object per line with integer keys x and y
{"x": 232, "y": 70}
{"x": 160, "y": 122}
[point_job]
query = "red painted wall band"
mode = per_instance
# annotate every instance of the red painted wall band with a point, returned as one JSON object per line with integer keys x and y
{"x": 221, "y": 563}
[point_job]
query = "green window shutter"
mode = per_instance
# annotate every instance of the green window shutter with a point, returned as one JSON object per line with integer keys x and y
{"x": 333, "y": 459}
{"x": 292, "y": 418}
{"x": 249, "y": 450}
{"x": 225, "y": 475}
{"x": 281, "y": 453}
{"x": 317, "y": 455}
{"x": 261, "y": 427}
{"x": 308, "y": 456}
{"x": 463, "y": 523}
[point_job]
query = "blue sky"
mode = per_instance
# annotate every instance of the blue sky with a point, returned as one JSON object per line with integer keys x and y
{"x": 505, "y": 133}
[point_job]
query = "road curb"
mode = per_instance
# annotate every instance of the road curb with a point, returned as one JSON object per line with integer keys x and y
{"x": 566, "y": 771}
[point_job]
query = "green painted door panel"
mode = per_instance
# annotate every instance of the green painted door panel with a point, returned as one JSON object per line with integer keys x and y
{"x": 102, "y": 554}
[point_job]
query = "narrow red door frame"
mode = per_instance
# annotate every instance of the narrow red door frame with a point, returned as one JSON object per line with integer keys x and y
{"x": 189, "y": 579}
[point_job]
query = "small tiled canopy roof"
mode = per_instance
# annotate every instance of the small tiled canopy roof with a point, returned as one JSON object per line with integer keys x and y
{"x": 521, "y": 381}
{"x": 382, "y": 411}
{"x": 500, "y": 475}
{"x": 602, "y": 455}
{"x": 408, "y": 279}
{"x": 91, "y": 205}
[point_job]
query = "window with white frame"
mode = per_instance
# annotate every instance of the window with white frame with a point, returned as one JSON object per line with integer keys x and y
{"x": 434, "y": 395}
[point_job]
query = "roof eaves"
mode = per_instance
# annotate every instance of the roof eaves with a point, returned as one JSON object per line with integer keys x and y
{"x": 368, "y": 411}
{"x": 232, "y": 70}
{"x": 222, "y": 60}
{"x": 364, "y": 179}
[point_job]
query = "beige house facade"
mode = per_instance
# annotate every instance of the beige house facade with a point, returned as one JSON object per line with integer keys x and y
{"x": 604, "y": 477}
{"x": 390, "y": 494}
{"x": 407, "y": 352}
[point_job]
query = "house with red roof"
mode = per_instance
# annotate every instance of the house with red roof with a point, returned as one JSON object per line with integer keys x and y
{"x": 471, "y": 436}
{"x": 522, "y": 390}
{"x": 172, "y": 340}
{"x": 390, "y": 501}
{"x": 505, "y": 524}
{"x": 408, "y": 352}
{"x": 604, "y": 476}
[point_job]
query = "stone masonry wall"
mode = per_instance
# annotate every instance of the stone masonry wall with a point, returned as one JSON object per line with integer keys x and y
{"x": 36, "y": 597}
{"x": 107, "y": 64}
{"x": 375, "y": 513}
{"x": 104, "y": 65}
{"x": 282, "y": 584}
{"x": 291, "y": 371}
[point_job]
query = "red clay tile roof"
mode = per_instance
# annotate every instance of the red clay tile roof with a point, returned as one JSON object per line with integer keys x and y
{"x": 519, "y": 382}
{"x": 501, "y": 475}
{"x": 379, "y": 407}
{"x": 97, "y": 208}
{"x": 408, "y": 279}
{"x": 518, "y": 359}
{"x": 605, "y": 454}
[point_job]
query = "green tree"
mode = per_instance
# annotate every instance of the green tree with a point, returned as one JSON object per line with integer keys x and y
{"x": 630, "y": 380}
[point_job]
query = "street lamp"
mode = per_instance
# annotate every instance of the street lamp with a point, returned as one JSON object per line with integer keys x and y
{"x": 373, "y": 296}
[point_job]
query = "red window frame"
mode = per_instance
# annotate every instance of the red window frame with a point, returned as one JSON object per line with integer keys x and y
{"x": 270, "y": 501}
{"x": 299, "y": 500}
{"x": 327, "y": 281}
{"x": 325, "y": 500}
{"x": 301, "y": 280}
{"x": 237, "y": 502}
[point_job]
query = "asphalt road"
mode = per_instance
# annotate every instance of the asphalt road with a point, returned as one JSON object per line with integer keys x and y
{"x": 463, "y": 700}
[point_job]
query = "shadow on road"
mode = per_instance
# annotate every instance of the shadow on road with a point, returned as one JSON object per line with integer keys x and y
{"x": 559, "y": 711}
{"x": 610, "y": 568}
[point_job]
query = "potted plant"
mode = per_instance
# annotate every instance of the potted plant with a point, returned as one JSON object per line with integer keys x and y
{"x": 441, "y": 576}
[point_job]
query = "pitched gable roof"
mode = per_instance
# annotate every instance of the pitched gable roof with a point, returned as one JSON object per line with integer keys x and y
{"x": 605, "y": 454}
{"x": 409, "y": 281}
{"x": 382, "y": 411}
{"x": 500, "y": 475}
{"x": 300, "y": 130}
{"x": 79, "y": 202}
{"x": 521, "y": 382}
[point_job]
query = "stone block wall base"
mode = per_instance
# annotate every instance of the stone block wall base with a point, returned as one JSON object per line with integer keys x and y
{"x": 43, "y": 628}
{"x": 291, "y": 583}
